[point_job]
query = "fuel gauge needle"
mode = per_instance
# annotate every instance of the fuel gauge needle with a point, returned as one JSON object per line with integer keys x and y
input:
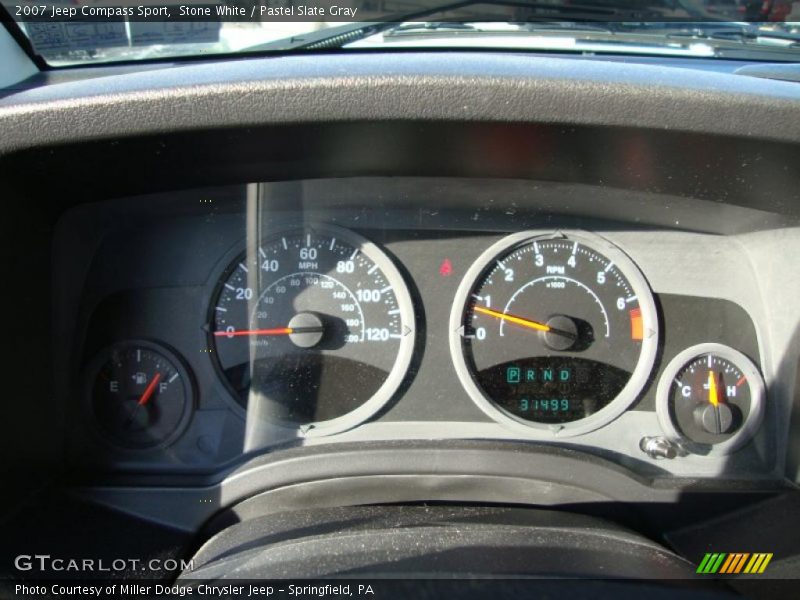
{"x": 148, "y": 392}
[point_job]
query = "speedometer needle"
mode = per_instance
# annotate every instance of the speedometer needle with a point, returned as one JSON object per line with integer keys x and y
{"x": 275, "y": 331}
{"x": 530, "y": 324}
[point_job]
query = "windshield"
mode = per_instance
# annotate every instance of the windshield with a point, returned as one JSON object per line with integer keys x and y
{"x": 86, "y": 32}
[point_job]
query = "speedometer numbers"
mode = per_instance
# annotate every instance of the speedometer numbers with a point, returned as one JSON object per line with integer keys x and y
{"x": 317, "y": 325}
{"x": 554, "y": 334}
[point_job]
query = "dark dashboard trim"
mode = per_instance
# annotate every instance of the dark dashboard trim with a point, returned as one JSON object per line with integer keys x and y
{"x": 459, "y": 86}
{"x": 408, "y": 471}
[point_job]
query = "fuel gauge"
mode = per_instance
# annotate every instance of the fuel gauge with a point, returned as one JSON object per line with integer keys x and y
{"x": 140, "y": 395}
{"x": 710, "y": 399}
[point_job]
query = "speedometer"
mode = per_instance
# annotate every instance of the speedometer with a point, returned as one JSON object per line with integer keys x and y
{"x": 555, "y": 333}
{"x": 316, "y": 325}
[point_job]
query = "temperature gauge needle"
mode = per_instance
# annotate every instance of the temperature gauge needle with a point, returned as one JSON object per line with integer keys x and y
{"x": 721, "y": 413}
{"x": 148, "y": 392}
{"x": 713, "y": 394}
{"x": 530, "y": 324}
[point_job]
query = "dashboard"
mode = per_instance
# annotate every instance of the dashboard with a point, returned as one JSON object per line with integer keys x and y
{"x": 331, "y": 283}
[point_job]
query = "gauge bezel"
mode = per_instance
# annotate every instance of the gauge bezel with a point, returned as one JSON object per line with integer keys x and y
{"x": 405, "y": 352}
{"x": 757, "y": 398}
{"x": 641, "y": 373}
{"x": 92, "y": 371}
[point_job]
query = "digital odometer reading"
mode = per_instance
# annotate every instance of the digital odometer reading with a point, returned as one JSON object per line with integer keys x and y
{"x": 315, "y": 325}
{"x": 554, "y": 330}
{"x": 548, "y": 389}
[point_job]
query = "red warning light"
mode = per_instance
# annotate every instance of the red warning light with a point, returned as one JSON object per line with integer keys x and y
{"x": 446, "y": 269}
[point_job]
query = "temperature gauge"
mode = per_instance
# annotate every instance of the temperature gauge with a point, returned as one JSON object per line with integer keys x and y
{"x": 711, "y": 399}
{"x": 140, "y": 396}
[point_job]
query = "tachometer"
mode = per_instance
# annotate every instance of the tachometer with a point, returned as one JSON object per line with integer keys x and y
{"x": 556, "y": 333}
{"x": 316, "y": 325}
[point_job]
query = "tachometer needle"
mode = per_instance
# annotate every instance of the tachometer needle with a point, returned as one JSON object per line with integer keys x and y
{"x": 148, "y": 392}
{"x": 512, "y": 319}
{"x": 530, "y": 324}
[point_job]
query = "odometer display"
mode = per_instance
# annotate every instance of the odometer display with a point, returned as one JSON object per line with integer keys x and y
{"x": 315, "y": 325}
{"x": 554, "y": 332}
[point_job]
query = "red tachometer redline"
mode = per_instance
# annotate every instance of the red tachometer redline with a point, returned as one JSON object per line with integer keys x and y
{"x": 637, "y": 325}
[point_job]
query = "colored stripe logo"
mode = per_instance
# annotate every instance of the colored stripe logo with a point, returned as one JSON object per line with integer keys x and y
{"x": 734, "y": 563}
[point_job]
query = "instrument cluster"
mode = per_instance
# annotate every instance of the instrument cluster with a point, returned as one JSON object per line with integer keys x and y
{"x": 317, "y": 327}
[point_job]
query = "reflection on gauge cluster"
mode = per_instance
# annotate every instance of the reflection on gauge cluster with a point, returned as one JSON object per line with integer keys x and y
{"x": 316, "y": 325}
{"x": 554, "y": 333}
